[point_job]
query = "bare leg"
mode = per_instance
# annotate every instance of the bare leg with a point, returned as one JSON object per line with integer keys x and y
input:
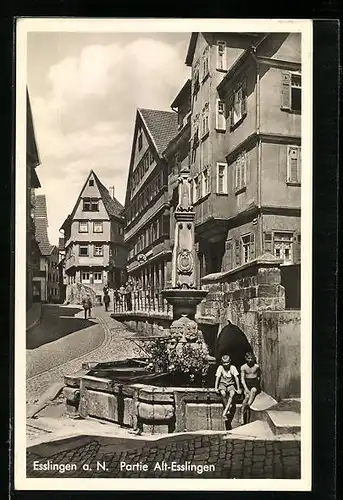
{"x": 228, "y": 404}
{"x": 244, "y": 406}
{"x": 224, "y": 398}
{"x": 252, "y": 395}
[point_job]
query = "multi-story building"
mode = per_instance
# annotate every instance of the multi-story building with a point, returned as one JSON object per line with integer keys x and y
{"x": 61, "y": 269}
{"x": 95, "y": 254}
{"x": 46, "y": 280}
{"x": 32, "y": 183}
{"x": 147, "y": 212}
{"x": 246, "y": 147}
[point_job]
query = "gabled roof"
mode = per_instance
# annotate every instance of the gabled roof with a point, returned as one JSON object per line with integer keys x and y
{"x": 184, "y": 93}
{"x": 41, "y": 225}
{"x": 162, "y": 126}
{"x": 112, "y": 205}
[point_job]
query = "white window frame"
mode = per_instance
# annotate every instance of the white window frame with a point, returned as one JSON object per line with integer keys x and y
{"x": 86, "y": 224}
{"x": 206, "y": 181}
{"x": 221, "y": 56}
{"x": 220, "y": 115}
{"x": 102, "y": 226}
{"x": 196, "y": 181}
{"x": 101, "y": 247}
{"x": 95, "y": 280}
{"x": 85, "y": 280}
{"x": 225, "y": 185}
{"x": 205, "y": 120}
{"x": 280, "y": 241}
{"x": 245, "y": 243}
{"x": 290, "y": 149}
{"x": 237, "y": 114}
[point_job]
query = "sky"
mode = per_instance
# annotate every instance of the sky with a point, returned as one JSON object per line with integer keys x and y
{"x": 84, "y": 90}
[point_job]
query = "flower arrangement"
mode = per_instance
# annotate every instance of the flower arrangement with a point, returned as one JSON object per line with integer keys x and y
{"x": 187, "y": 359}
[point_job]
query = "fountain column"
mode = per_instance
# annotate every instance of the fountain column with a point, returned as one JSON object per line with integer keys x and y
{"x": 184, "y": 296}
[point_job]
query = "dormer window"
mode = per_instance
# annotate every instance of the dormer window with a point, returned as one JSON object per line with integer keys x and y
{"x": 91, "y": 182}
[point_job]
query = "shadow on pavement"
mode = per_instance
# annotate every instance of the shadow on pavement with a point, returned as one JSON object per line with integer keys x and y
{"x": 54, "y": 328}
{"x": 69, "y": 311}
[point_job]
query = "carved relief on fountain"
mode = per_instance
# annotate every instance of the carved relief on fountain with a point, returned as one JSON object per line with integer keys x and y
{"x": 186, "y": 331}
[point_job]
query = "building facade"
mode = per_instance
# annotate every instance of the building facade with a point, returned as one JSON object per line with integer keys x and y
{"x": 95, "y": 254}
{"x": 46, "y": 279}
{"x": 246, "y": 148}
{"x": 147, "y": 210}
{"x": 32, "y": 183}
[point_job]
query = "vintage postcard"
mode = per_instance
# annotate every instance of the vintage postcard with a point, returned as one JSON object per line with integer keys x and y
{"x": 163, "y": 255}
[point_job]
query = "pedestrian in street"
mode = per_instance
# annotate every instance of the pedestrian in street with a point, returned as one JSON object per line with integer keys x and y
{"x": 128, "y": 296}
{"x": 122, "y": 297}
{"x": 89, "y": 306}
{"x": 85, "y": 305}
{"x": 107, "y": 301}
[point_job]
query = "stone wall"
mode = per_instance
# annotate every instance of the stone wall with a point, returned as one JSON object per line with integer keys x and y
{"x": 252, "y": 297}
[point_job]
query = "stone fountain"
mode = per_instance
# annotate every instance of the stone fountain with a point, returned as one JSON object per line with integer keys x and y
{"x": 125, "y": 392}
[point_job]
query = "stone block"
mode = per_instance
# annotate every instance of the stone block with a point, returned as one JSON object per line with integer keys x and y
{"x": 269, "y": 276}
{"x": 267, "y": 291}
{"x": 102, "y": 405}
{"x": 155, "y": 411}
{"x": 128, "y": 411}
{"x": 155, "y": 429}
{"x": 157, "y": 395}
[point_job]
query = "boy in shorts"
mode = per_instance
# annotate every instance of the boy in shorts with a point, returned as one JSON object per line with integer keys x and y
{"x": 227, "y": 382}
{"x": 251, "y": 381}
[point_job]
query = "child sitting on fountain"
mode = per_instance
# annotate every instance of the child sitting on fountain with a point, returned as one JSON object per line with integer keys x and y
{"x": 226, "y": 379}
{"x": 251, "y": 382}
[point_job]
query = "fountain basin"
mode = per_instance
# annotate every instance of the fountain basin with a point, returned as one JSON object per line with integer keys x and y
{"x": 184, "y": 301}
{"x": 153, "y": 405}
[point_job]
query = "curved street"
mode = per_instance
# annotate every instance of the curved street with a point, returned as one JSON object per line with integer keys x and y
{"x": 64, "y": 340}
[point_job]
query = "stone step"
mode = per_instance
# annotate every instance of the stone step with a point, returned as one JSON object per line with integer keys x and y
{"x": 283, "y": 422}
{"x": 257, "y": 429}
{"x": 289, "y": 404}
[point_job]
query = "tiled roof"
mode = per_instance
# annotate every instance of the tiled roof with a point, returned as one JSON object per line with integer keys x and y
{"x": 112, "y": 205}
{"x": 162, "y": 126}
{"x": 41, "y": 225}
{"x": 32, "y": 156}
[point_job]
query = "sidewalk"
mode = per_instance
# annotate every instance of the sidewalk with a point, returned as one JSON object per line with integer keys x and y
{"x": 33, "y": 315}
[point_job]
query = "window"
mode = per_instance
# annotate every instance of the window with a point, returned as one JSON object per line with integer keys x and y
{"x": 293, "y": 164}
{"x": 239, "y": 109}
{"x": 248, "y": 247}
{"x": 196, "y": 85}
{"x": 97, "y": 277}
{"x": 222, "y": 178}
{"x": 205, "y": 118}
{"x": 85, "y": 277}
{"x": 98, "y": 250}
{"x": 83, "y": 227}
{"x": 240, "y": 172}
{"x": 291, "y": 91}
{"x": 206, "y": 181}
{"x": 196, "y": 188}
{"x": 140, "y": 140}
{"x": 97, "y": 227}
{"x": 283, "y": 247}
{"x": 90, "y": 205}
{"x": 221, "y": 55}
{"x": 121, "y": 230}
{"x": 205, "y": 64}
{"x": 220, "y": 116}
{"x": 91, "y": 182}
{"x": 83, "y": 250}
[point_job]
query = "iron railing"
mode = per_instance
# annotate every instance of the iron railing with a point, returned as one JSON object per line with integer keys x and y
{"x": 141, "y": 300}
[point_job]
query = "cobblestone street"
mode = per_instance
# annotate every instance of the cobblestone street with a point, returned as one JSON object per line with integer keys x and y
{"x": 104, "y": 340}
{"x": 230, "y": 458}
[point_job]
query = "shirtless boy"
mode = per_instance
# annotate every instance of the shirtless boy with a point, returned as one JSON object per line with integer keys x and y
{"x": 251, "y": 381}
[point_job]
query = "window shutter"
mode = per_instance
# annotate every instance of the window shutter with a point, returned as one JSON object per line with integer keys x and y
{"x": 228, "y": 251}
{"x": 243, "y": 170}
{"x": 237, "y": 252}
{"x": 297, "y": 248}
{"x": 286, "y": 90}
{"x": 252, "y": 246}
{"x": 230, "y": 108}
{"x": 268, "y": 241}
{"x": 244, "y": 98}
{"x": 293, "y": 164}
